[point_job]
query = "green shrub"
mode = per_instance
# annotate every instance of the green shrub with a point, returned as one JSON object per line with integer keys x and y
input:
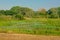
{"x": 19, "y": 17}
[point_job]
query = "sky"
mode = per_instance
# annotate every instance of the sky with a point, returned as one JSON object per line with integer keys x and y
{"x": 34, "y": 4}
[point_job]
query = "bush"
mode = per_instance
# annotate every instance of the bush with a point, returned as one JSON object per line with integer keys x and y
{"x": 19, "y": 17}
{"x": 5, "y": 18}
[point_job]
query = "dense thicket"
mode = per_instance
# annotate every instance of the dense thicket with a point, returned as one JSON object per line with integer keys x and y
{"x": 25, "y": 12}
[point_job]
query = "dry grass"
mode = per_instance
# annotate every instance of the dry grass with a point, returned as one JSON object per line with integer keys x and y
{"x": 4, "y": 36}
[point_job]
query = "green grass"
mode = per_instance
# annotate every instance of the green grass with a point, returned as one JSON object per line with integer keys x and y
{"x": 32, "y": 26}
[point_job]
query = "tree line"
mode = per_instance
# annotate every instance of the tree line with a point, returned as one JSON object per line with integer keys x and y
{"x": 22, "y": 12}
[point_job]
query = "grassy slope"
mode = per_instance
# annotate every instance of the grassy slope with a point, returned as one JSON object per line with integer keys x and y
{"x": 32, "y": 26}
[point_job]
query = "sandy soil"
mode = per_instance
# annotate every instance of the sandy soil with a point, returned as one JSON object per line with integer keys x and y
{"x": 4, "y": 36}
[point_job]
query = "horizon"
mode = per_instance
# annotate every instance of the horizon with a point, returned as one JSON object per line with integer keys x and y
{"x": 34, "y": 4}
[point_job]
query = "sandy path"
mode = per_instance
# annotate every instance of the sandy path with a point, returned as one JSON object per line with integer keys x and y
{"x": 4, "y": 36}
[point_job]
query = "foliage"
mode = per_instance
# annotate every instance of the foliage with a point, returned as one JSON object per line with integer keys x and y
{"x": 22, "y": 10}
{"x": 58, "y": 9}
{"x": 2, "y": 12}
{"x": 19, "y": 17}
{"x": 30, "y": 13}
{"x": 53, "y": 13}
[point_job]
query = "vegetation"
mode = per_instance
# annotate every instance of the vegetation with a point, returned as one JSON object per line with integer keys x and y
{"x": 30, "y": 13}
{"x": 26, "y": 20}
{"x": 32, "y": 26}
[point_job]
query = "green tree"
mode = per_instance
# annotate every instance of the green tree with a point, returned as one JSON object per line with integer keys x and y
{"x": 23, "y": 11}
{"x": 9, "y": 12}
{"x": 58, "y": 11}
{"x": 53, "y": 13}
{"x": 2, "y": 12}
{"x": 28, "y": 12}
{"x": 16, "y": 9}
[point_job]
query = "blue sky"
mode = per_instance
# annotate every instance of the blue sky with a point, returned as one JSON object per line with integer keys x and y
{"x": 34, "y": 4}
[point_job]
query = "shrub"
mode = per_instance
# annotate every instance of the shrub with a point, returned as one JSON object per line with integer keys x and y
{"x": 19, "y": 17}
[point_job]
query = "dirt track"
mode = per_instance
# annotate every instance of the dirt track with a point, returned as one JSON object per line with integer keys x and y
{"x": 4, "y": 36}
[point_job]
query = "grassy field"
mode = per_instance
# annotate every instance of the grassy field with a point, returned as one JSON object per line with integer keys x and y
{"x": 36, "y": 26}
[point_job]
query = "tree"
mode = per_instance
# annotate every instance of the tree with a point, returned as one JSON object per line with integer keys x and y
{"x": 58, "y": 10}
{"x": 9, "y": 12}
{"x": 28, "y": 12}
{"x": 16, "y": 9}
{"x": 23, "y": 11}
{"x": 53, "y": 13}
{"x": 2, "y": 12}
{"x": 42, "y": 12}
